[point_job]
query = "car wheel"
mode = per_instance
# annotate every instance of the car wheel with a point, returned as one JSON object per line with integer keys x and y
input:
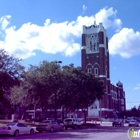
{"x": 75, "y": 126}
{"x": 66, "y": 127}
{"x": 62, "y": 128}
{"x": 52, "y": 129}
{"x": 81, "y": 126}
{"x": 32, "y": 132}
{"x": 121, "y": 125}
{"x": 16, "y": 133}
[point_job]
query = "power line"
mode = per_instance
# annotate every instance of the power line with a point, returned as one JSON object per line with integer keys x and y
{"x": 133, "y": 102}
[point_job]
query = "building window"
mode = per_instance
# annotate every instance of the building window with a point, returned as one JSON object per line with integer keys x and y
{"x": 122, "y": 101}
{"x": 122, "y": 108}
{"x": 123, "y": 95}
{"x": 89, "y": 70}
{"x": 106, "y": 73}
{"x": 94, "y": 106}
{"x": 96, "y": 71}
{"x": 119, "y": 93}
{"x": 113, "y": 104}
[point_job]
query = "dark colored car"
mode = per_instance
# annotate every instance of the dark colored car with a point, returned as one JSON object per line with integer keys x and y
{"x": 118, "y": 122}
{"x": 133, "y": 123}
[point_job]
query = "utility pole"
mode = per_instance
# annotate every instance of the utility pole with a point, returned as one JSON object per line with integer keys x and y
{"x": 55, "y": 105}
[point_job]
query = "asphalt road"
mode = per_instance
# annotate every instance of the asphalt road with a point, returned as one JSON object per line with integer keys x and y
{"x": 104, "y": 132}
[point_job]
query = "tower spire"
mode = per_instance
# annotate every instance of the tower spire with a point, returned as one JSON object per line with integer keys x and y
{"x": 94, "y": 20}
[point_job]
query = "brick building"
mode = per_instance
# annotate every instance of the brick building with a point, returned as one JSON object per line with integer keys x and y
{"x": 95, "y": 59}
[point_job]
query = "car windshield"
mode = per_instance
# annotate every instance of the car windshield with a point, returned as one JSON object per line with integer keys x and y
{"x": 133, "y": 121}
{"x": 68, "y": 120}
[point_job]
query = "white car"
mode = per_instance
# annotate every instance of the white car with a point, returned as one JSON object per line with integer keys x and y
{"x": 16, "y": 129}
{"x": 72, "y": 123}
{"x": 133, "y": 123}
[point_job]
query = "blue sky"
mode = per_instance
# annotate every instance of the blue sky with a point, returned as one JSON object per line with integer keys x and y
{"x": 37, "y": 30}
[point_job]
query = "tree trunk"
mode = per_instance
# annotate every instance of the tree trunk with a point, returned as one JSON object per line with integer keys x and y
{"x": 34, "y": 113}
{"x": 23, "y": 113}
{"x": 43, "y": 113}
{"x": 62, "y": 113}
{"x": 85, "y": 115}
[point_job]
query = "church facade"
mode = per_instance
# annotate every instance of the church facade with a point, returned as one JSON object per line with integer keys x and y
{"x": 95, "y": 59}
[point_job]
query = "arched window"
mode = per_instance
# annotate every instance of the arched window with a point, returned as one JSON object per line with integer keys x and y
{"x": 89, "y": 70}
{"x": 96, "y": 71}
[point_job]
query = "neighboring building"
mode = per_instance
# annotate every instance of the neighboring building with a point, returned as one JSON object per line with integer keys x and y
{"x": 95, "y": 59}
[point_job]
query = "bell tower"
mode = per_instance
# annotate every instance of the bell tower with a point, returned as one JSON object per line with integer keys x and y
{"x": 95, "y": 57}
{"x": 95, "y": 54}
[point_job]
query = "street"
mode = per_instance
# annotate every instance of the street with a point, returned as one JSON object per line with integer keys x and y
{"x": 104, "y": 132}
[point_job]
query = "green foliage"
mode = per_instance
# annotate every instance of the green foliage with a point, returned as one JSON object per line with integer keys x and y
{"x": 82, "y": 89}
{"x": 10, "y": 75}
{"x": 133, "y": 112}
{"x": 48, "y": 86}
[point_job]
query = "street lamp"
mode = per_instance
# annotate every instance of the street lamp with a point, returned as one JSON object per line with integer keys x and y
{"x": 55, "y": 113}
{"x": 58, "y": 62}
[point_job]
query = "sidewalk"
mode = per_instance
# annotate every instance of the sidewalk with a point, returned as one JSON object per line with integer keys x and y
{"x": 106, "y": 122}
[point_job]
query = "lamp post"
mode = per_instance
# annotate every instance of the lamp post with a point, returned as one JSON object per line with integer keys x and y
{"x": 58, "y": 62}
{"x": 55, "y": 112}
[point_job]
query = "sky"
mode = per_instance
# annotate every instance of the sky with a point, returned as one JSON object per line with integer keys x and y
{"x": 37, "y": 30}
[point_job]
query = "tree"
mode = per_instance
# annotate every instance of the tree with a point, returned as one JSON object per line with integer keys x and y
{"x": 134, "y": 112}
{"x": 51, "y": 79}
{"x": 39, "y": 85}
{"x": 49, "y": 86}
{"x": 66, "y": 93}
{"x": 87, "y": 89}
{"x": 30, "y": 92}
{"x": 80, "y": 90}
{"x": 10, "y": 75}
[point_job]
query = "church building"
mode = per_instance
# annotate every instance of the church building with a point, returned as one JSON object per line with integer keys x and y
{"x": 95, "y": 59}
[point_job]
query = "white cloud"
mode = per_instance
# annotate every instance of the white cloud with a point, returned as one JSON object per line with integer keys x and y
{"x": 52, "y": 37}
{"x": 108, "y": 17}
{"x": 137, "y": 87}
{"x": 4, "y": 22}
{"x": 125, "y": 43}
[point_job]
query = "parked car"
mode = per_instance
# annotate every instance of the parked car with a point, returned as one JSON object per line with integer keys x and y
{"x": 80, "y": 123}
{"x": 93, "y": 120}
{"x": 16, "y": 129}
{"x": 50, "y": 125}
{"x": 73, "y": 123}
{"x": 118, "y": 122}
{"x": 133, "y": 123}
{"x": 138, "y": 119}
{"x": 128, "y": 120}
